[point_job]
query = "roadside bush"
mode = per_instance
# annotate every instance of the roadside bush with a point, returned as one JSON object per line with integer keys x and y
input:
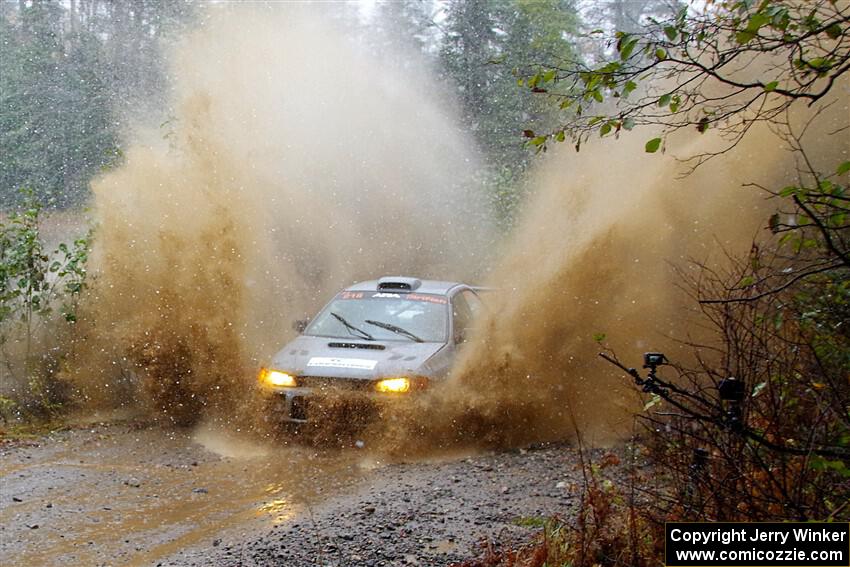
{"x": 757, "y": 429}
{"x": 756, "y": 426}
{"x": 609, "y": 526}
{"x": 782, "y": 450}
{"x": 39, "y": 295}
{"x": 777, "y": 450}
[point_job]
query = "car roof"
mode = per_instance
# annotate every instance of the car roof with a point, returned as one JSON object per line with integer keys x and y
{"x": 416, "y": 285}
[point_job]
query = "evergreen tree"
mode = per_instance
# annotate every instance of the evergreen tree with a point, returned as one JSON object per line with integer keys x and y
{"x": 487, "y": 45}
{"x": 67, "y": 72}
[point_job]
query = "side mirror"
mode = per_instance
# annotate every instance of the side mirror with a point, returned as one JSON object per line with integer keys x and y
{"x": 300, "y": 325}
{"x": 460, "y": 336}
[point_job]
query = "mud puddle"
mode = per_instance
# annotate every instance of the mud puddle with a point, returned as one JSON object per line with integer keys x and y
{"x": 129, "y": 495}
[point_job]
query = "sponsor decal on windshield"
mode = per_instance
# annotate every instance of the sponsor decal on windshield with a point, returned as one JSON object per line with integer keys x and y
{"x": 349, "y": 363}
{"x": 351, "y": 295}
{"x": 427, "y": 298}
{"x": 438, "y": 299}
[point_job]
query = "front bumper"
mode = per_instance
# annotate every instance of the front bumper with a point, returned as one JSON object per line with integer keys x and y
{"x": 290, "y": 404}
{"x": 307, "y": 405}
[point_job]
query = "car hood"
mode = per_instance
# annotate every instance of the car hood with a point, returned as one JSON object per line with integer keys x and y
{"x": 344, "y": 358}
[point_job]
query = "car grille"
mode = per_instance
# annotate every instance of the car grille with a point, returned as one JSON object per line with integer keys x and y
{"x": 357, "y": 345}
{"x": 329, "y": 384}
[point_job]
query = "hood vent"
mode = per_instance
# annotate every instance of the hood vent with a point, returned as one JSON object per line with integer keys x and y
{"x": 397, "y": 283}
{"x": 357, "y": 345}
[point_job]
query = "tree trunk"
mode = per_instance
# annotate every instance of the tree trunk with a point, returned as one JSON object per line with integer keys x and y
{"x": 73, "y": 13}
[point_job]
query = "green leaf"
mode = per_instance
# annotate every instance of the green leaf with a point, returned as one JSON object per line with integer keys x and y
{"x": 834, "y": 31}
{"x": 660, "y": 54}
{"x": 843, "y": 168}
{"x": 744, "y": 37}
{"x": 819, "y": 463}
{"x": 788, "y": 191}
{"x": 605, "y": 129}
{"x": 549, "y": 76}
{"x": 664, "y": 100}
{"x": 675, "y": 102}
{"x": 777, "y": 320}
{"x": 538, "y": 141}
{"x": 652, "y": 145}
{"x": 671, "y": 32}
{"x": 611, "y": 67}
{"x": 654, "y": 400}
{"x": 560, "y": 136}
{"x": 597, "y": 96}
{"x": 629, "y": 87}
{"x": 821, "y": 64}
{"x": 531, "y": 522}
{"x": 626, "y": 46}
{"x": 771, "y": 86}
{"x": 599, "y": 337}
{"x": 628, "y": 123}
{"x": 757, "y": 22}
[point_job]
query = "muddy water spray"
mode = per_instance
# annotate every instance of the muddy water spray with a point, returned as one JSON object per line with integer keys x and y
{"x": 293, "y": 165}
{"x": 595, "y": 253}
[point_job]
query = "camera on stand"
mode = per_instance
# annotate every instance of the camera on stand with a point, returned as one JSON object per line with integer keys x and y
{"x": 654, "y": 359}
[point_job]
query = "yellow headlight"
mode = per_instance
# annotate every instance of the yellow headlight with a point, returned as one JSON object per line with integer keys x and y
{"x": 277, "y": 378}
{"x": 396, "y": 385}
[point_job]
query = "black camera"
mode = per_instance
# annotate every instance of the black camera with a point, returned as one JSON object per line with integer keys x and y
{"x": 653, "y": 359}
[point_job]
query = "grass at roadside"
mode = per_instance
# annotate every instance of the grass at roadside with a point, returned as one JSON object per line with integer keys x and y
{"x": 15, "y": 433}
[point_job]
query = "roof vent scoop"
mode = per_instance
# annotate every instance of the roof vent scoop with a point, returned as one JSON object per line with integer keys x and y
{"x": 398, "y": 283}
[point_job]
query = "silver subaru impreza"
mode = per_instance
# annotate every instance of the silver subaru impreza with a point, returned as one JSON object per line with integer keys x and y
{"x": 376, "y": 341}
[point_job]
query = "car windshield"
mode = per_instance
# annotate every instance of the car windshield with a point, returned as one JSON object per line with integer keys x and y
{"x": 370, "y": 314}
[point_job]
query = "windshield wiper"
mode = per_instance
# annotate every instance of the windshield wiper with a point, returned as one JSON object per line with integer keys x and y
{"x": 394, "y": 329}
{"x": 357, "y": 331}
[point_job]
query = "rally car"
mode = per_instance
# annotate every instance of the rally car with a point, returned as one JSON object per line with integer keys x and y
{"x": 375, "y": 342}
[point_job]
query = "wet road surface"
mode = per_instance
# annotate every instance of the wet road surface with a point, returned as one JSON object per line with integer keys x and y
{"x": 129, "y": 494}
{"x": 120, "y": 494}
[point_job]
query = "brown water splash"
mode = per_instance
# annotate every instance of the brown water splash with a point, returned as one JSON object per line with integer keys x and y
{"x": 601, "y": 248}
{"x": 296, "y": 165}
{"x": 293, "y": 165}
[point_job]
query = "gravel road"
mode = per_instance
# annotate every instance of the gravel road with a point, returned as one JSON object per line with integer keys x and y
{"x": 136, "y": 494}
